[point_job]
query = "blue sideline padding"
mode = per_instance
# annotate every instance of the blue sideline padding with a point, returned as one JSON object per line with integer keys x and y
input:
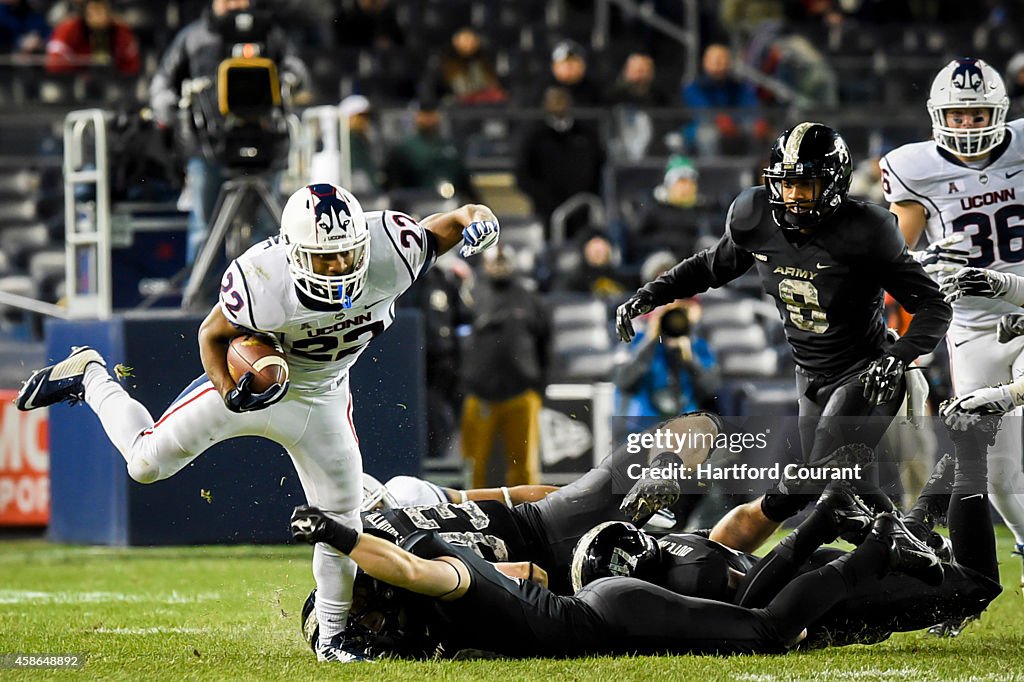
{"x": 239, "y": 491}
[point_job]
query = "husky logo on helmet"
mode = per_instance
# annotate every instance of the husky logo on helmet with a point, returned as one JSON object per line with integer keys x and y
{"x": 967, "y": 75}
{"x": 329, "y": 208}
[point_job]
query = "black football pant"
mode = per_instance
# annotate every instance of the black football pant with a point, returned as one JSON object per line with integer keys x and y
{"x": 833, "y": 413}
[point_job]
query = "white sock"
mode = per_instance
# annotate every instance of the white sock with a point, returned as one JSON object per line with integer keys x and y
{"x": 122, "y": 417}
{"x": 334, "y": 575}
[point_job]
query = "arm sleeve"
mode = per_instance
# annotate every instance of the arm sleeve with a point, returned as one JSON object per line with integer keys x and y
{"x": 907, "y": 282}
{"x": 709, "y": 269}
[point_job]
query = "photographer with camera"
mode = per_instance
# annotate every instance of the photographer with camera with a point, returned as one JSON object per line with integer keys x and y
{"x": 188, "y": 72}
{"x": 669, "y": 369}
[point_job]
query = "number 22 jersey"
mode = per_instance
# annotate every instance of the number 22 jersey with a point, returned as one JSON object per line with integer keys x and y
{"x": 980, "y": 202}
{"x": 322, "y": 342}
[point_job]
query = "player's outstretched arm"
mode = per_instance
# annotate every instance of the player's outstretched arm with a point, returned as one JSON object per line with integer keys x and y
{"x": 473, "y": 223}
{"x": 215, "y": 333}
{"x": 446, "y": 577}
{"x": 511, "y": 496}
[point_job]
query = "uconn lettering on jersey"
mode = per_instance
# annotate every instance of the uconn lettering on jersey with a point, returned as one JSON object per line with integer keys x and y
{"x": 988, "y": 198}
{"x": 338, "y": 326}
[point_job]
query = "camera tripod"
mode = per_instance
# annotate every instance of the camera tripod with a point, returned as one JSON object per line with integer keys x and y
{"x": 238, "y": 202}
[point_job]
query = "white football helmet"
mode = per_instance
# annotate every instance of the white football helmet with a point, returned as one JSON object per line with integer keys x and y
{"x": 326, "y": 220}
{"x": 375, "y": 495}
{"x": 968, "y": 83}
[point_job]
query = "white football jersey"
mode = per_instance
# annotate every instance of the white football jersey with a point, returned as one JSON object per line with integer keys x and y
{"x": 257, "y": 293}
{"x": 981, "y": 203}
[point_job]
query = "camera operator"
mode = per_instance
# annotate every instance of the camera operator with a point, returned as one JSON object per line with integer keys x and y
{"x": 669, "y": 369}
{"x": 195, "y": 55}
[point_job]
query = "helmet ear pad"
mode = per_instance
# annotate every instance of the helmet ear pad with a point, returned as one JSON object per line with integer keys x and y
{"x": 808, "y": 151}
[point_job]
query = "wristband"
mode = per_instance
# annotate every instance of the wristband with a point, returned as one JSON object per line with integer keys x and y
{"x": 342, "y": 538}
{"x": 507, "y": 496}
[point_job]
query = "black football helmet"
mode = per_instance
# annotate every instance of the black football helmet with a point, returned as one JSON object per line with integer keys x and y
{"x": 808, "y": 151}
{"x": 381, "y": 622}
{"x": 614, "y": 548}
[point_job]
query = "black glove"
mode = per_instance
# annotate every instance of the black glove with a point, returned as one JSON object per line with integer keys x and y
{"x": 1010, "y": 327}
{"x": 882, "y": 379}
{"x": 639, "y": 303}
{"x": 311, "y": 525}
{"x": 242, "y": 399}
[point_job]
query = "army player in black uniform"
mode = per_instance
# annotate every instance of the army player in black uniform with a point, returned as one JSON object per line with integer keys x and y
{"x": 473, "y": 604}
{"x": 826, "y": 260}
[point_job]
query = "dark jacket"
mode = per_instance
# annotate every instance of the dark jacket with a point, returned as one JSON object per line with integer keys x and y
{"x": 508, "y": 352}
{"x": 553, "y": 165}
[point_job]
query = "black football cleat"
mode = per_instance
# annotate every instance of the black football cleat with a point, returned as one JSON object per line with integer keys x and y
{"x": 907, "y": 554}
{"x": 852, "y": 518}
{"x": 843, "y": 457}
{"x": 61, "y": 382}
{"x": 648, "y": 496}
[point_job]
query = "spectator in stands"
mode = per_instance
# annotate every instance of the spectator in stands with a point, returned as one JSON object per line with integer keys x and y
{"x": 429, "y": 160}
{"x": 668, "y": 369}
{"x": 367, "y": 24}
{"x": 93, "y": 38}
{"x": 558, "y": 158}
{"x": 363, "y": 153}
{"x": 677, "y": 217}
{"x": 595, "y": 273}
{"x": 1014, "y": 76}
{"x": 569, "y": 71}
{"x": 635, "y": 85}
{"x": 23, "y": 28}
{"x": 465, "y": 72}
{"x": 717, "y": 88}
{"x": 194, "y": 54}
{"x": 504, "y": 372}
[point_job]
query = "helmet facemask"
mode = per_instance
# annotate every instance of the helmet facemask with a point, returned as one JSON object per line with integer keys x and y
{"x": 333, "y": 289}
{"x": 969, "y": 141}
{"x": 614, "y": 548}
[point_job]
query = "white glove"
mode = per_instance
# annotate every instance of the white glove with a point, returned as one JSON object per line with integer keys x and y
{"x": 975, "y": 282}
{"x": 963, "y": 411}
{"x": 940, "y": 260}
{"x": 479, "y": 236}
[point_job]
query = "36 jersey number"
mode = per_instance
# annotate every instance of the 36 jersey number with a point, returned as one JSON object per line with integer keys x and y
{"x": 802, "y": 302}
{"x": 1003, "y": 231}
{"x": 325, "y": 348}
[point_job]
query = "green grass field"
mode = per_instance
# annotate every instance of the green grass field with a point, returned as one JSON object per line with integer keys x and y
{"x": 232, "y": 613}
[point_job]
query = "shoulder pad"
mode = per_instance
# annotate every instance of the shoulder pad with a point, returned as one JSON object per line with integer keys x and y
{"x": 747, "y": 215}
{"x": 867, "y": 228}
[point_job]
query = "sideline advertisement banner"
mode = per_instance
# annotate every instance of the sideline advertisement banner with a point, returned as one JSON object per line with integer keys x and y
{"x": 24, "y": 465}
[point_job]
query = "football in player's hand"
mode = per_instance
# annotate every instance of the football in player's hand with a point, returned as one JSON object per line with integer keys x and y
{"x": 262, "y": 356}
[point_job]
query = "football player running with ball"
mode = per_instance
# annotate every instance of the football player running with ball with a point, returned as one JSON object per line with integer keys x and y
{"x": 825, "y": 260}
{"x": 324, "y": 288}
{"x": 962, "y": 185}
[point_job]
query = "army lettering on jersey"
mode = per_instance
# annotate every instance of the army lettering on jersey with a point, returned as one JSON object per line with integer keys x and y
{"x": 827, "y": 285}
{"x": 986, "y": 204}
{"x": 486, "y": 527}
{"x": 257, "y": 293}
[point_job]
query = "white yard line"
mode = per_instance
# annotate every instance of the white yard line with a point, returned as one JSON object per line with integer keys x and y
{"x": 37, "y": 597}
